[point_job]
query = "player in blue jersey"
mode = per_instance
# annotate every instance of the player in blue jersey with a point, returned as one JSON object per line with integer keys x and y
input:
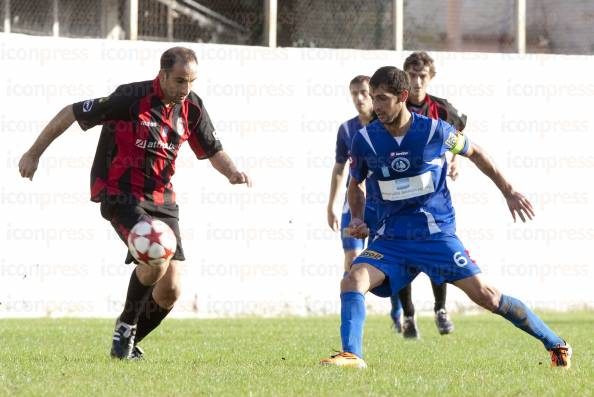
{"x": 359, "y": 89}
{"x": 402, "y": 153}
{"x": 420, "y": 68}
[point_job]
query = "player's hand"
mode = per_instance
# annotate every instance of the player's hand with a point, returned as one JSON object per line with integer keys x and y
{"x": 517, "y": 203}
{"x": 453, "y": 169}
{"x": 332, "y": 220}
{"x": 358, "y": 228}
{"x": 28, "y": 165}
{"x": 239, "y": 177}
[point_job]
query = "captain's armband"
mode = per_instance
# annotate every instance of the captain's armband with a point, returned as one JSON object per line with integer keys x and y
{"x": 457, "y": 142}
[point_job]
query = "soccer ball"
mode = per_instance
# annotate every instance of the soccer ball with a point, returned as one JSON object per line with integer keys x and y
{"x": 152, "y": 242}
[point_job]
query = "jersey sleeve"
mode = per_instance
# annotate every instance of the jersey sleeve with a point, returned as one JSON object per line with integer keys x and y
{"x": 359, "y": 167}
{"x": 92, "y": 112}
{"x": 452, "y": 140}
{"x": 342, "y": 147}
{"x": 455, "y": 118}
{"x": 203, "y": 139}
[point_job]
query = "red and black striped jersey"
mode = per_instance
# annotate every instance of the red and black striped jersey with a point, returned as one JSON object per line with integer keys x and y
{"x": 439, "y": 109}
{"x": 139, "y": 142}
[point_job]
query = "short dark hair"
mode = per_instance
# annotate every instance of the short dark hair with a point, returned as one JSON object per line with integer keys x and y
{"x": 392, "y": 78}
{"x": 418, "y": 60}
{"x": 360, "y": 79}
{"x": 177, "y": 54}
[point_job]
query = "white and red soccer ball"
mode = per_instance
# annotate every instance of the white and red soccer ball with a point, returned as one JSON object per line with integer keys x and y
{"x": 152, "y": 242}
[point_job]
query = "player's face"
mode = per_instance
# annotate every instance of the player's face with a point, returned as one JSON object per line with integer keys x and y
{"x": 177, "y": 83}
{"x": 361, "y": 98}
{"x": 386, "y": 105}
{"x": 419, "y": 81}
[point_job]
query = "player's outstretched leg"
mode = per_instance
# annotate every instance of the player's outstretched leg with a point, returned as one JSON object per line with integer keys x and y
{"x": 353, "y": 287}
{"x": 396, "y": 313}
{"x": 518, "y": 314}
{"x": 409, "y": 323}
{"x": 442, "y": 319}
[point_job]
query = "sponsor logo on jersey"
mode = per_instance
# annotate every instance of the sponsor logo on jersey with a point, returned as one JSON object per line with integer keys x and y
{"x": 146, "y": 144}
{"x": 148, "y": 123}
{"x": 87, "y": 105}
{"x": 403, "y": 183}
{"x": 141, "y": 143}
{"x": 371, "y": 254}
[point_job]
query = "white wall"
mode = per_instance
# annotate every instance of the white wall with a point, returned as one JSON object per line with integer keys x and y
{"x": 268, "y": 250}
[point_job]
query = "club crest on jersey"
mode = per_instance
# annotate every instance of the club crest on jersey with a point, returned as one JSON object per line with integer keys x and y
{"x": 179, "y": 126}
{"x": 400, "y": 164}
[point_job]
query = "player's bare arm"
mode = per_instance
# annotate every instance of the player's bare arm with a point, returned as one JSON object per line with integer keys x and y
{"x": 453, "y": 169}
{"x": 356, "y": 197}
{"x": 516, "y": 202}
{"x": 60, "y": 123}
{"x": 223, "y": 163}
{"x": 335, "y": 183}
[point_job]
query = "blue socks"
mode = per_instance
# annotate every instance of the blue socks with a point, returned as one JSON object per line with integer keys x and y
{"x": 396, "y": 311}
{"x": 352, "y": 316}
{"x": 522, "y": 317}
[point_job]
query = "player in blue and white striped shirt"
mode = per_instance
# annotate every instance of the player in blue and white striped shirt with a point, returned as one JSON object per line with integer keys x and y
{"x": 402, "y": 154}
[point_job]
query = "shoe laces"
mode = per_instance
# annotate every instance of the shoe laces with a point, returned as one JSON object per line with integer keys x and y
{"x": 125, "y": 329}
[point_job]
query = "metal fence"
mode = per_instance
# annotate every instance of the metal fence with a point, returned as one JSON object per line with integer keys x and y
{"x": 551, "y": 26}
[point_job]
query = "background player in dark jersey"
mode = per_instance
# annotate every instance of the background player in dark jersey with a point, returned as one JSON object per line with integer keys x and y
{"x": 144, "y": 125}
{"x": 421, "y": 69}
{"x": 359, "y": 90}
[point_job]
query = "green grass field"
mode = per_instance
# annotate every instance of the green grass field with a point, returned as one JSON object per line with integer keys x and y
{"x": 485, "y": 356}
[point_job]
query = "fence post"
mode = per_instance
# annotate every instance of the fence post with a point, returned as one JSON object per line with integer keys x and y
{"x": 132, "y": 14}
{"x": 170, "y": 20}
{"x": 521, "y": 26}
{"x": 6, "y": 16}
{"x": 454, "y": 30}
{"x": 56, "y": 15}
{"x": 270, "y": 16}
{"x": 398, "y": 18}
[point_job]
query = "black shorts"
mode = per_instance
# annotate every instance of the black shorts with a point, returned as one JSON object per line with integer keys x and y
{"x": 124, "y": 216}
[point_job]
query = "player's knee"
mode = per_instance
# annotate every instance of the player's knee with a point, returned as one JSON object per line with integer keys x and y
{"x": 489, "y": 299}
{"x": 346, "y": 284}
{"x": 168, "y": 295}
{"x": 353, "y": 280}
{"x": 149, "y": 275}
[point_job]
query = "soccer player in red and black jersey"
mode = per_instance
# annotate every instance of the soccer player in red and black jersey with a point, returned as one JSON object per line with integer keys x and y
{"x": 144, "y": 125}
{"x": 420, "y": 68}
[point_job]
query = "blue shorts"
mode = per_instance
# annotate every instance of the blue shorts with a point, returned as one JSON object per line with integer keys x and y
{"x": 350, "y": 243}
{"x": 443, "y": 258}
